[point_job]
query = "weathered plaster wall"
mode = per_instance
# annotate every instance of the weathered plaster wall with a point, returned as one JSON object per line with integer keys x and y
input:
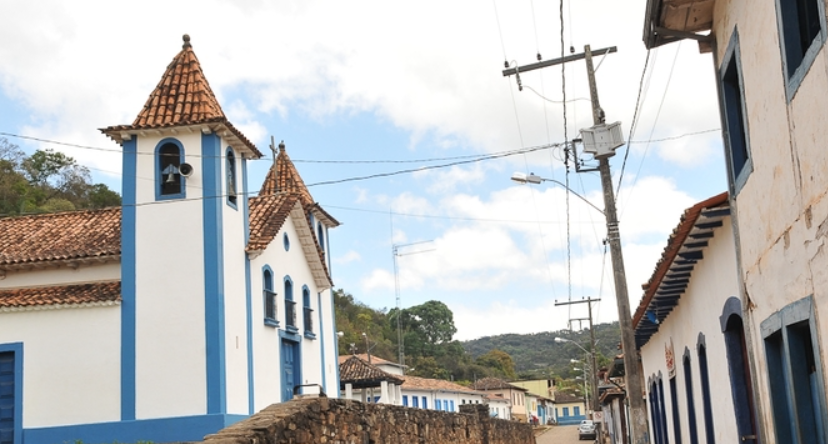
{"x": 714, "y": 280}
{"x": 782, "y": 211}
{"x": 323, "y": 420}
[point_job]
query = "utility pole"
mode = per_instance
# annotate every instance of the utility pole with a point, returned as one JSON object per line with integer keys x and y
{"x": 638, "y": 414}
{"x": 593, "y": 380}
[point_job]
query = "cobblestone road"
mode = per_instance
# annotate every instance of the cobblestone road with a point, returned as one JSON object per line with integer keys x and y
{"x": 561, "y": 435}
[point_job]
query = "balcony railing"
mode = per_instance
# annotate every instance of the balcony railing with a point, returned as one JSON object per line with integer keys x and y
{"x": 290, "y": 314}
{"x": 270, "y": 307}
{"x": 308, "y": 320}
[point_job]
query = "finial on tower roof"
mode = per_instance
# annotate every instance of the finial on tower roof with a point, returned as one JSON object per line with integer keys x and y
{"x": 186, "y": 42}
{"x": 282, "y": 145}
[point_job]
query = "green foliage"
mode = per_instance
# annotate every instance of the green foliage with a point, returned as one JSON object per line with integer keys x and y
{"x": 47, "y": 181}
{"x": 500, "y": 362}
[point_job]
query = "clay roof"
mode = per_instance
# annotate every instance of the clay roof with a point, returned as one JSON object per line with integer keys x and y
{"x": 267, "y": 215}
{"x": 361, "y": 374}
{"x": 76, "y": 236}
{"x": 567, "y": 398}
{"x": 99, "y": 293}
{"x": 494, "y": 384}
{"x": 284, "y": 178}
{"x": 417, "y": 383}
{"x": 376, "y": 360}
{"x": 183, "y": 97}
{"x": 672, "y": 272}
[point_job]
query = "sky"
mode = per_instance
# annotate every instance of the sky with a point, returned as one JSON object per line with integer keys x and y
{"x": 388, "y": 87}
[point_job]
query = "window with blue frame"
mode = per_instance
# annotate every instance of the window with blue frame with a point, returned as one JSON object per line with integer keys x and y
{"x": 576, "y": 411}
{"x": 691, "y": 403}
{"x": 802, "y": 32}
{"x": 451, "y": 403}
{"x": 269, "y": 295}
{"x": 290, "y": 305}
{"x": 566, "y": 412}
{"x": 169, "y": 181}
{"x": 795, "y": 374}
{"x": 230, "y": 178}
{"x": 438, "y": 404}
{"x": 705, "y": 389}
{"x": 675, "y": 404}
{"x": 320, "y": 233}
{"x": 308, "y": 312}
{"x": 415, "y": 402}
{"x": 425, "y": 402}
{"x": 405, "y": 400}
{"x": 737, "y": 139}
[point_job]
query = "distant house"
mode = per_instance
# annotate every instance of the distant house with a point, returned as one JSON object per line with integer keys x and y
{"x": 541, "y": 404}
{"x": 190, "y": 307}
{"x": 769, "y": 61}
{"x": 383, "y": 364}
{"x": 379, "y": 386}
{"x": 516, "y": 395}
{"x": 569, "y": 409}
{"x": 682, "y": 342}
{"x": 499, "y": 407}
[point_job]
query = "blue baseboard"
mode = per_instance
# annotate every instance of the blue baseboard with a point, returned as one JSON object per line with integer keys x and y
{"x": 185, "y": 428}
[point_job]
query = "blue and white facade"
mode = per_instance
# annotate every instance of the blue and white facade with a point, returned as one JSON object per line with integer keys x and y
{"x": 194, "y": 342}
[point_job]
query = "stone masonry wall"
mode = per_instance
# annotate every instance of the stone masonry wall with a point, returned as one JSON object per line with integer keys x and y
{"x": 337, "y": 421}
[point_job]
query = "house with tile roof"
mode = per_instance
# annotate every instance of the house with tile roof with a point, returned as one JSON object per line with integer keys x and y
{"x": 190, "y": 307}
{"x": 380, "y": 386}
{"x": 383, "y": 364}
{"x": 682, "y": 341}
{"x": 515, "y": 394}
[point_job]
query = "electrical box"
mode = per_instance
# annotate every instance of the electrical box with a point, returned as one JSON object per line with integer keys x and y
{"x": 602, "y": 140}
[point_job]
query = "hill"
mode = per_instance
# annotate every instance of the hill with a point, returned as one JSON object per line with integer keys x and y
{"x": 536, "y": 355}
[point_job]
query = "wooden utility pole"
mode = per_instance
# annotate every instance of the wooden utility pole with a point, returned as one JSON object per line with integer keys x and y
{"x": 639, "y": 431}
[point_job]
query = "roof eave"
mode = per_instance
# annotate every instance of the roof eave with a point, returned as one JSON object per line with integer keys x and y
{"x": 668, "y": 21}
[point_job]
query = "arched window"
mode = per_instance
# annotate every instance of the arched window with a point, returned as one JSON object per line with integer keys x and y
{"x": 232, "y": 182}
{"x": 269, "y": 298}
{"x": 290, "y": 305}
{"x": 740, "y": 377}
{"x": 168, "y": 179}
{"x": 691, "y": 403}
{"x": 704, "y": 377}
{"x": 320, "y": 234}
{"x": 307, "y": 311}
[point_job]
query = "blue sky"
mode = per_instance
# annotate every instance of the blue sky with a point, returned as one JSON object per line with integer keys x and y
{"x": 396, "y": 81}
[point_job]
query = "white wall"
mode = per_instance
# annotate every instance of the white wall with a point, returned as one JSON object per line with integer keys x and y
{"x": 71, "y": 364}
{"x": 235, "y": 295}
{"x": 266, "y": 341}
{"x": 714, "y": 279}
{"x": 170, "y": 331}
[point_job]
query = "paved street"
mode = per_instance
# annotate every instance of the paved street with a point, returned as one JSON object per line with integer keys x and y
{"x": 560, "y": 435}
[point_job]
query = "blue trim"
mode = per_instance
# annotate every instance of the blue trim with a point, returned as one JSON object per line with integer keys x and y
{"x": 306, "y": 303}
{"x": 289, "y": 297}
{"x": 286, "y": 241}
{"x": 269, "y": 321}
{"x": 228, "y": 154}
{"x": 787, "y": 15}
{"x": 289, "y": 335}
{"x": 735, "y": 120}
{"x": 180, "y": 429}
{"x": 17, "y": 349}
{"x": 335, "y": 338}
{"x": 128, "y": 256}
{"x": 322, "y": 341}
{"x": 159, "y": 177}
{"x": 248, "y": 291}
{"x": 213, "y": 274}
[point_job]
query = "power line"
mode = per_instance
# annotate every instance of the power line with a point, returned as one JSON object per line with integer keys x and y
{"x": 634, "y": 121}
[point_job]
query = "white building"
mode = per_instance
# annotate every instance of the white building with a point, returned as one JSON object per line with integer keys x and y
{"x": 681, "y": 330}
{"x": 187, "y": 309}
{"x": 769, "y": 60}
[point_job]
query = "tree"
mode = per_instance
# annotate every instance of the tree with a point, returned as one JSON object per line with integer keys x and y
{"x": 500, "y": 361}
{"x": 47, "y": 181}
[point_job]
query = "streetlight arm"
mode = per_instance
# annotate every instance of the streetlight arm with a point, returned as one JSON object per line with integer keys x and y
{"x": 535, "y": 179}
{"x": 574, "y": 343}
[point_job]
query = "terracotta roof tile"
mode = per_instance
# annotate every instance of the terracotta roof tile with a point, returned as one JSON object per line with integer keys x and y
{"x": 494, "y": 384}
{"x": 68, "y": 236}
{"x": 182, "y": 97}
{"x": 362, "y": 374}
{"x": 99, "y": 292}
{"x": 267, "y": 215}
{"x": 417, "y": 383}
{"x": 376, "y": 360}
{"x": 283, "y": 177}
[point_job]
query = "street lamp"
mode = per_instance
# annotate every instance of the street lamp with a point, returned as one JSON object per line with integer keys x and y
{"x": 594, "y": 380}
{"x": 535, "y": 179}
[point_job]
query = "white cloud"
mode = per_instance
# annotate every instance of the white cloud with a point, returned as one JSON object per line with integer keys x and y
{"x": 378, "y": 279}
{"x": 350, "y": 256}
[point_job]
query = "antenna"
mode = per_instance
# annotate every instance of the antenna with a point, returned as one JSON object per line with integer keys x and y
{"x": 395, "y": 249}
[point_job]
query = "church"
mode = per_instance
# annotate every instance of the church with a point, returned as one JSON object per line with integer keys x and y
{"x": 188, "y": 308}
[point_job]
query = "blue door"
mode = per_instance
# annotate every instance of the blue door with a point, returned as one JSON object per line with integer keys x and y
{"x": 7, "y": 398}
{"x": 291, "y": 374}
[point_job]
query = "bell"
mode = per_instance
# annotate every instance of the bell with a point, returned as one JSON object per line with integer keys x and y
{"x": 170, "y": 178}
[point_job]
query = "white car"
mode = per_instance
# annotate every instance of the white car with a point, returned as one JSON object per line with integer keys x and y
{"x": 586, "y": 430}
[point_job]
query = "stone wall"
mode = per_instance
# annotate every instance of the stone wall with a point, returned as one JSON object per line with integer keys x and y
{"x": 337, "y": 421}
